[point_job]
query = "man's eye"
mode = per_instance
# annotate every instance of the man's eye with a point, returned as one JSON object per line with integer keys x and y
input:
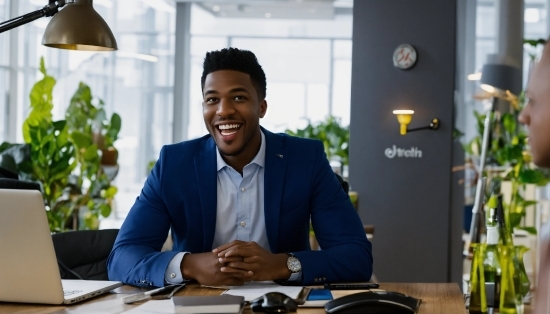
{"x": 240, "y": 98}
{"x": 210, "y": 100}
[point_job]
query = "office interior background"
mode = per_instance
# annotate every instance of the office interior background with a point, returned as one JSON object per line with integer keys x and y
{"x": 305, "y": 48}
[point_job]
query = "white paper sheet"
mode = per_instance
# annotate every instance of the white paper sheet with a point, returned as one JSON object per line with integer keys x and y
{"x": 253, "y": 290}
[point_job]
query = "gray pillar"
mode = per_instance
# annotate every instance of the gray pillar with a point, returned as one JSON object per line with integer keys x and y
{"x": 408, "y": 199}
{"x": 464, "y": 121}
{"x": 182, "y": 72}
{"x": 466, "y": 55}
{"x": 509, "y": 37}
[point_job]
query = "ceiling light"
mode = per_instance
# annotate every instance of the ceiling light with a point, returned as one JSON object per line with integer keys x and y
{"x": 474, "y": 76}
{"x": 160, "y": 5}
{"x": 531, "y": 15}
{"x": 140, "y": 56}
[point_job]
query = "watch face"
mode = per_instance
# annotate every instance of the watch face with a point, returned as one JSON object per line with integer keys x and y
{"x": 293, "y": 264}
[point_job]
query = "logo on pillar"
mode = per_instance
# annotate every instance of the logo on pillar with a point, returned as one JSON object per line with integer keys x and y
{"x": 393, "y": 152}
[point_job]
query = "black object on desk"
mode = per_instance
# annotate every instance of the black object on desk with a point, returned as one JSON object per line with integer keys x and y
{"x": 274, "y": 302}
{"x": 352, "y": 286}
{"x": 383, "y": 302}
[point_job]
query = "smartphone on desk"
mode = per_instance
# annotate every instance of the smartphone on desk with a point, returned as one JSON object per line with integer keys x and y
{"x": 351, "y": 286}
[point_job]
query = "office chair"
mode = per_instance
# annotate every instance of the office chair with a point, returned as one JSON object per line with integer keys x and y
{"x": 344, "y": 183}
{"x": 83, "y": 254}
{"x": 9, "y": 180}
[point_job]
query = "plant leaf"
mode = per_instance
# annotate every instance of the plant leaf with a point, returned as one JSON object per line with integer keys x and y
{"x": 530, "y": 230}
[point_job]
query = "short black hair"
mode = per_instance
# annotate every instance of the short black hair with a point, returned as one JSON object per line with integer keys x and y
{"x": 238, "y": 60}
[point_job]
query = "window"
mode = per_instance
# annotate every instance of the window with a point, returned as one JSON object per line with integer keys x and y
{"x": 307, "y": 63}
{"x": 136, "y": 81}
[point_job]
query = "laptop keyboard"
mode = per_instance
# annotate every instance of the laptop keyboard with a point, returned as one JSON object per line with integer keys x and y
{"x": 71, "y": 292}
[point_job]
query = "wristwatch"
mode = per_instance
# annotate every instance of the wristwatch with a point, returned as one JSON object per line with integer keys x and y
{"x": 293, "y": 263}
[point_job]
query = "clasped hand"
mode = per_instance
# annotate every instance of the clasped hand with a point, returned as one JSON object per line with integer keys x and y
{"x": 234, "y": 264}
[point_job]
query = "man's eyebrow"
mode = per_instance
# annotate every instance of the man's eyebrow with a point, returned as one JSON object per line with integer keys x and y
{"x": 234, "y": 90}
{"x": 210, "y": 91}
{"x": 239, "y": 89}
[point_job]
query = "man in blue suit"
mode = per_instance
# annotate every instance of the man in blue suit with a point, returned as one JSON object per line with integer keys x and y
{"x": 240, "y": 200}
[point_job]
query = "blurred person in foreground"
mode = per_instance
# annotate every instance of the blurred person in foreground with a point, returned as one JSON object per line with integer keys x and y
{"x": 536, "y": 116}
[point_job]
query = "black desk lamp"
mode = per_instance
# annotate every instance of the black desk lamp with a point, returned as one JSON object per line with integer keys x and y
{"x": 77, "y": 27}
{"x": 502, "y": 81}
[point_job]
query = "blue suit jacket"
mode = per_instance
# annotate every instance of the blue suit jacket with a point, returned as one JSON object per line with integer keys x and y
{"x": 180, "y": 193}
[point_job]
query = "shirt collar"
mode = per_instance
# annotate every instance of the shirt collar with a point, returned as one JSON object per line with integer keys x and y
{"x": 259, "y": 159}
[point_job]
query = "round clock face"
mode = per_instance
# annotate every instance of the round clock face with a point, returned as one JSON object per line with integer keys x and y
{"x": 404, "y": 56}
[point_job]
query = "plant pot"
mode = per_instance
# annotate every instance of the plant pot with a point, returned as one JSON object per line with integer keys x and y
{"x": 109, "y": 156}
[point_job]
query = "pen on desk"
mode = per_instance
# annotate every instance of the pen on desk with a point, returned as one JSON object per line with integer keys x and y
{"x": 145, "y": 295}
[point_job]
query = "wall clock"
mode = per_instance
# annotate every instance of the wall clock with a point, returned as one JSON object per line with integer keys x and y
{"x": 404, "y": 57}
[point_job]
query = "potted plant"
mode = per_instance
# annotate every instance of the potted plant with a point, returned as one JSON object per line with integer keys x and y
{"x": 334, "y": 136}
{"x": 63, "y": 158}
{"x": 509, "y": 161}
{"x": 94, "y": 136}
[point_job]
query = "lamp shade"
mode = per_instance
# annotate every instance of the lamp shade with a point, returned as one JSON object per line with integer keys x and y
{"x": 502, "y": 78}
{"x": 79, "y": 27}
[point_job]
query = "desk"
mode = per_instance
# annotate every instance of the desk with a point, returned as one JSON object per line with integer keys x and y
{"x": 437, "y": 298}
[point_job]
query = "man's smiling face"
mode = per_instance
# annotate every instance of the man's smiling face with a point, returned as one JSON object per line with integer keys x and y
{"x": 232, "y": 112}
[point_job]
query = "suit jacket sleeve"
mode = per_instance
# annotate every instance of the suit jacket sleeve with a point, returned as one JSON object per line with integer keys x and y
{"x": 346, "y": 254}
{"x": 136, "y": 258}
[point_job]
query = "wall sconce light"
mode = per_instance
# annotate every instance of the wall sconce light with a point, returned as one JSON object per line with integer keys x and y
{"x": 405, "y": 116}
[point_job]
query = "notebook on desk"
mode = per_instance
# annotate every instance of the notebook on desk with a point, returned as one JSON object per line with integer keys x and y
{"x": 28, "y": 265}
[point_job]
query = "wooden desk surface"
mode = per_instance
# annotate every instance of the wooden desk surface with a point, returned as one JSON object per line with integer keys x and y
{"x": 437, "y": 298}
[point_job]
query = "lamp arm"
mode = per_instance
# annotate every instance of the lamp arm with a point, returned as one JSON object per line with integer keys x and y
{"x": 49, "y": 10}
{"x": 434, "y": 125}
{"x": 480, "y": 189}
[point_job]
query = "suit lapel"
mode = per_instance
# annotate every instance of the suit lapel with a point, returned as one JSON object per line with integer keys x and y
{"x": 274, "y": 175}
{"x": 205, "y": 171}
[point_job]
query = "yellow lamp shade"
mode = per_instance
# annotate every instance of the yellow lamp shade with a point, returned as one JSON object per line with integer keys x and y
{"x": 79, "y": 27}
{"x": 404, "y": 117}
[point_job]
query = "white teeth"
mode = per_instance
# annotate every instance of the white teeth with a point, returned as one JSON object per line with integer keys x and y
{"x": 228, "y": 126}
{"x": 227, "y": 133}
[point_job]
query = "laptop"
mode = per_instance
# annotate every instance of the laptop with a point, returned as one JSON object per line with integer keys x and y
{"x": 28, "y": 266}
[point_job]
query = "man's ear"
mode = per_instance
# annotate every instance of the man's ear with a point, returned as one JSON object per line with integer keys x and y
{"x": 263, "y": 108}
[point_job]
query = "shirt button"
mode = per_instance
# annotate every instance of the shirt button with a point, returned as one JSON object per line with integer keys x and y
{"x": 243, "y": 223}
{"x": 172, "y": 275}
{"x": 243, "y": 189}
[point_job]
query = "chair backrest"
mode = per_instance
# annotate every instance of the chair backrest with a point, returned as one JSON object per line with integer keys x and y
{"x": 344, "y": 183}
{"x": 7, "y": 183}
{"x": 83, "y": 254}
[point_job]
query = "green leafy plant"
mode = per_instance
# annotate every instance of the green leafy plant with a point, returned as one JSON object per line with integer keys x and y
{"x": 509, "y": 160}
{"x": 93, "y": 136}
{"x": 63, "y": 158}
{"x": 334, "y": 136}
{"x": 533, "y": 44}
